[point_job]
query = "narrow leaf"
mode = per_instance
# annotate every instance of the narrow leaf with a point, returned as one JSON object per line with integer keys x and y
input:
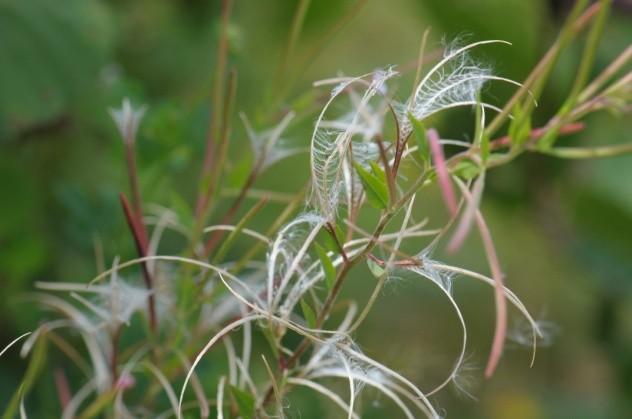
{"x": 375, "y": 188}
{"x": 480, "y": 134}
{"x": 245, "y": 402}
{"x": 520, "y": 127}
{"x": 484, "y": 147}
{"x": 269, "y": 335}
{"x": 328, "y": 266}
{"x": 36, "y": 364}
{"x": 375, "y": 269}
{"x": 378, "y": 171}
{"x": 308, "y": 313}
{"x": 466, "y": 169}
{"x": 419, "y": 133}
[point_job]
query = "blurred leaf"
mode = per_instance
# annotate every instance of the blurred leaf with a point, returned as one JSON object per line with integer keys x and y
{"x": 374, "y": 187}
{"x": 466, "y": 169}
{"x": 485, "y": 147}
{"x": 38, "y": 360}
{"x": 378, "y": 172}
{"x": 375, "y": 269}
{"x": 101, "y": 403}
{"x": 419, "y": 133}
{"x": 310, "y": 317}
{"x": 328, "y": 242}
{"x": 240, "y": 171}
{"x": 245, "y": 402}
{"x": 327, "y": 265}
{"x": 480, "y": 136}
{"x": 269, "y": 335}
{"x": 519, "y": 127}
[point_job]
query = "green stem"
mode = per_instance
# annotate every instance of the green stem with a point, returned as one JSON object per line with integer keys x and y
{"x": 536, "y": 80}
{"x": 295, "y": 31}
{"x": 218, "y": 94}
{"x": 588, "y": 152}
{"x": 585, "y": 65}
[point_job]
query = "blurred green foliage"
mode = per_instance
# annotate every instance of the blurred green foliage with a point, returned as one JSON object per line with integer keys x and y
{"x": 563, "y": 228}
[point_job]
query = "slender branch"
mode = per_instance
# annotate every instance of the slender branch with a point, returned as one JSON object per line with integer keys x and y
{"x": 295, "y": 31}
{"x": 217, "y": 93}
{"x": 115, "y": 338}
{"x": 536, "y": 134}
{"x": 130, "y": 157}
{"x": 332, "y": 232}
{"x": 333, "y": 294}
{"x": 537, "y": 77}
{"x": 312, "y": 53}
{"x": 141, "y": 247}
{"x": 390, "y": 173}
{"x": 228, "y": 216}
{"x": 582, "y": 75}
{"x": 63, "y": 389}
{"x": 220, "y": 152}
{"x": 588, "y": 152}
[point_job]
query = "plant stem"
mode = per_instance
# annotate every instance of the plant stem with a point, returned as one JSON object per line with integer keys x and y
{"x": 342, "y": 275}
{"x": 588, "y": 57}
{"x": 218, "y": 94}
{"x": 141, "y": 247}
{"x": 588, "y": 152}
{"x": 295, "y": 31}
{"x": 535, "y": 80}
{"x": 115, "y": 340}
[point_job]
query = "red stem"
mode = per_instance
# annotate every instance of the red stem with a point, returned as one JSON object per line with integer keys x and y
{"x": 63, "y": 389}
{"x": 141, "y": 246}
{"x": 538, "y": 133}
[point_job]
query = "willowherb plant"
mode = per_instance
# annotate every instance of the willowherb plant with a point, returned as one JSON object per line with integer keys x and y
{"x": 367, "y": 149}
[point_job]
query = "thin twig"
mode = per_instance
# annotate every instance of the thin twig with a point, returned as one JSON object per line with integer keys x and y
{"x": 141, "y": 247}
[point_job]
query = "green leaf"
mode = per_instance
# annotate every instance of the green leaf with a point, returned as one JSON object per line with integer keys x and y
{"x": 479, "y": 133}
{"x": 36, "y": 364}
{"x": 240, "y": 171}
{"x": 269, "y": 335}
{"x": 484, "y": 147}
{"x": 374, "y": 187}
{"x": 328, "y": 266}
{"x": 101, "y": 403}
{"x": 419, "y": 134}
{"x": 380, "y": 174}
{"x": 466, "y": 169}
{"x": 375, "y": 269}
{"x": 328, "y": 242}
{"x": 309, "y": 314}
{"x": 245, "y": 402}
{"x": 378, "y": 171}
{"x": 519, "y": 127}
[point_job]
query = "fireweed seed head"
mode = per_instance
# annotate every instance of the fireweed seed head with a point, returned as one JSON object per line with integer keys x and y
{"x": 127, "y": 120}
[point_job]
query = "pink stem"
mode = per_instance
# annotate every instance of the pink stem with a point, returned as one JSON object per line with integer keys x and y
{"x": 501, "y": 305}
{"x": 463, "y": 229}
{"x": 63, "y": 389}
{"x": 442, "y": 171}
